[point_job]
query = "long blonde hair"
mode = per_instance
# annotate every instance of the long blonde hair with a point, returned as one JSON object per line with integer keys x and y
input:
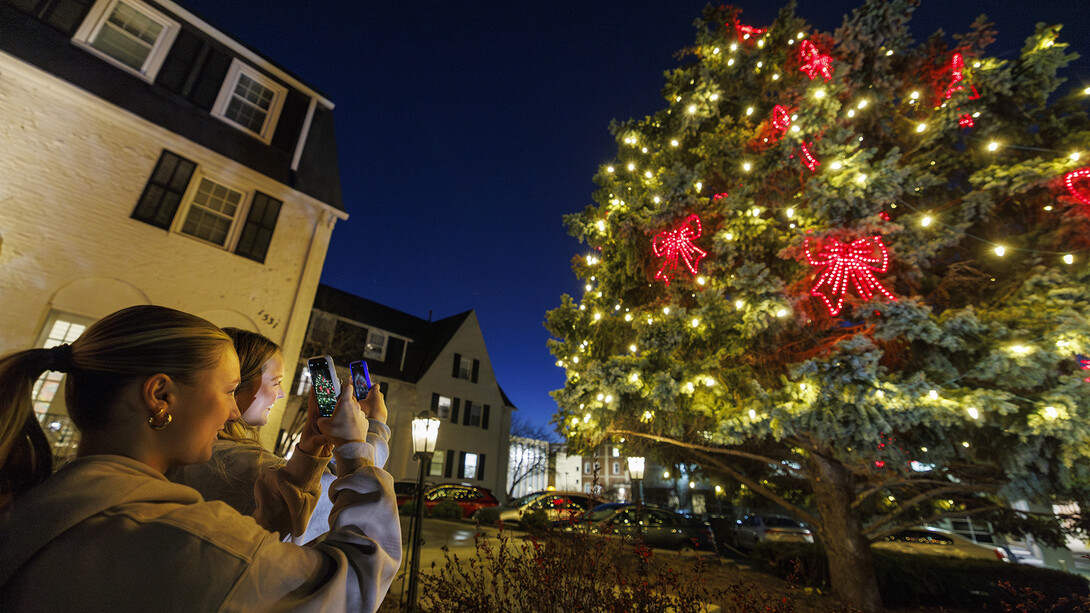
{"x": 253, "y": 351}
{"x": 119, "y": 349}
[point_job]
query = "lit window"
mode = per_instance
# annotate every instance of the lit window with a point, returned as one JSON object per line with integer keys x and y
{"x": 129, "y": 34}
{"x": 250, "y": 100}
{"x": 437, "y": 462}
{"x": 212, "y": 212}
{"x": 443, "y": 407}
{"x": 470, "y": 471}
{"x": 376, "y": 346}
{"x": 465, "y": 368}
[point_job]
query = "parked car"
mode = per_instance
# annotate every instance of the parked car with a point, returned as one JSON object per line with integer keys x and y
{"x": 934, "y": 541}
{"x": 558, "y": 506}
{"x": 470, "y": 497}
{"x": 661, "y": 528}
{"x": 753, "y": 529}
{"x": 405, "y": 490}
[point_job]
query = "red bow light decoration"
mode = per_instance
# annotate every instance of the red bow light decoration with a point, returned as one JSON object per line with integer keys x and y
{"x": 853, "y": 263}
{"x": 807, "y": 157}
{"x": 781, "y": 119}
{"x": 672, "y": 245}
{"x": 1082, "y": 194}
{"x": 814, "y": 62}
{"x": 957, "y": 68}
{"x": 746, "y": 32}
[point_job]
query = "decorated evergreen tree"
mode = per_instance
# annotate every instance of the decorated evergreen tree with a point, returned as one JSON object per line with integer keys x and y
{"x": 849, "y": 272}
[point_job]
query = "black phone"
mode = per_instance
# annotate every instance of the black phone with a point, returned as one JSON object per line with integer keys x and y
{"x": 323, "y": 375}
{"x": 361, "y": 378}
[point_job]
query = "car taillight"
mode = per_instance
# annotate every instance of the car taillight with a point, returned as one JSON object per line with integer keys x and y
{"x": 1002, "y": 555}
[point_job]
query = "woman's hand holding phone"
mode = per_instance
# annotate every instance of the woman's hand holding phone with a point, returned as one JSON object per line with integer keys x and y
{"x": 374, "y": 405}
{"x": 348, "y": 423}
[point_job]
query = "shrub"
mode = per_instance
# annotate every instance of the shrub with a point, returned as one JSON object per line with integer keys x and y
{"x": 802, "y": 563}
{"x": 488, "y": 516}
{"x": 447, "y": 509}
{"x": 535, "y": 522}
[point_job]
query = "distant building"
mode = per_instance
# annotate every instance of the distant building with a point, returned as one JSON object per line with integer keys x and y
{"x": 149, "y": 158}
{"x": 438, "y": 367}
{"x": 527, "y": 466}
{"x": 606, "y": 474}
{"x": 565, "y": 471}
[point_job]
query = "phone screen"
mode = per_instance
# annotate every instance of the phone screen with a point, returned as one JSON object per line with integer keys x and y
{"x": 361, "y": 379}
{"x": 324, "y": 388}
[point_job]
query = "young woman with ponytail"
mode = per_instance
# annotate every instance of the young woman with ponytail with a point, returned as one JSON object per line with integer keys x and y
{"x": 150, "y": 389}
{"x": 280, "y": 495}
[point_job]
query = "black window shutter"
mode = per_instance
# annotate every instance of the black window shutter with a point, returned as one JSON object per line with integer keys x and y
{"x": 395, "y": 348}
{"x": 480, "y": 467}
{"x": 467, "y": 413}
{"x": 291, "y": 119}
{"x": 454, "y": 411}
{"x": 66, "y": 15}
{"x": 257, "y": 232}
{"x": 448, "y": 466}
{"x": 484, "y": 417}
{"x": 461, "y": 465}
{"x": 178, "y": 65}
{"x": 163, "y": 193}
{"x": 210, "y": 79}
{"x": 434, "y": 402}
{"x": 457, "y": 364}
{"x": 476, "y": 368}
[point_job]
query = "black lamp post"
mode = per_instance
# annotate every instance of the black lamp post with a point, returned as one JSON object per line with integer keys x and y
{"x": 635, "y": 470}
{"x": 425, "y": 432}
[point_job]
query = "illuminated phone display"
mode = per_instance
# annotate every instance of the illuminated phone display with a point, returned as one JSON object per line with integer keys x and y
{"x": 326, "y": 386}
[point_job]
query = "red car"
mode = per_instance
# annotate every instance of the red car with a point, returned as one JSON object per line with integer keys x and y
{"x": 469, "y": 497}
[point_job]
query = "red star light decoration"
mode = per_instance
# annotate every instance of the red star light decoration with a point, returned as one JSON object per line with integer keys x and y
{"x": 1082, "y": 194}
{"x": 814, "y": 62}
{"x": 853, "y": 263}
{"x": 957, "y": 71}
{"x": 677, "y": 244}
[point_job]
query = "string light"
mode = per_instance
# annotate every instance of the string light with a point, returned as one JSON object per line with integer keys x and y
{"x": 813, "y": 62}
{"x": 1080, "y": 194}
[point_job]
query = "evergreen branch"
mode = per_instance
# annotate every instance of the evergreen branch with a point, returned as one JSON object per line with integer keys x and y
{"x": 937, "y": 516}
{"x": 906, "y": 506}
{"x": 759, "y": 489}
{"x": 695, "y": 447}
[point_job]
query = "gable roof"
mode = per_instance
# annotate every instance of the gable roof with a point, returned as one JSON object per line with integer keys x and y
{"x": 428, "y": 338}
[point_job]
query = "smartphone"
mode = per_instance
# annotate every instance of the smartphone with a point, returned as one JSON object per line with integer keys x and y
{"x": 361, "y": 378}
{"x": 327, "y": 387}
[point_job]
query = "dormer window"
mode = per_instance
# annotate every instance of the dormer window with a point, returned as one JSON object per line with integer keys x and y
{"x": 129, "y": 34}
{"x": 250, "y": 101}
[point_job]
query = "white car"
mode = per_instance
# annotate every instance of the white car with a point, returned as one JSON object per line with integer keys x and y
{"x": 753, "y": 529}
{"x": 938, "y": 542}
{"x": 558, "y": 506}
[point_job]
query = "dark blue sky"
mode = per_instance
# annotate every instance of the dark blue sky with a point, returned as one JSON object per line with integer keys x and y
{"x": 466, "y": 129}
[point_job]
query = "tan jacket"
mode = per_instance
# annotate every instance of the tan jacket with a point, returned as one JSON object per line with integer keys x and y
{"x": 108, "y": 533}
{"x": 280, "y": 495}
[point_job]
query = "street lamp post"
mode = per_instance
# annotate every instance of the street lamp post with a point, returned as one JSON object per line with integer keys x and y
{"x": 635, "y": 469}
{"x": 425, "y": 432}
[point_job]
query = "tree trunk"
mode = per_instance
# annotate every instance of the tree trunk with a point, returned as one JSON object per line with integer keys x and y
{"x": 851, "y": 567}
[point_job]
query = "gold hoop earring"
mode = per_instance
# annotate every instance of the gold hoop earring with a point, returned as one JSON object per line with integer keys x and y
{"x": 154, "y": 419}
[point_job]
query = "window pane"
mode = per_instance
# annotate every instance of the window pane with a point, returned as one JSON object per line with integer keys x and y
{"x": 471, "y": 466}
{"x": 212, "y": 212}
{"x": 128, "y": 36}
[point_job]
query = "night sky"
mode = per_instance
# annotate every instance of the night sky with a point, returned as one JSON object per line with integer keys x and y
{"x": 466, "y": 129}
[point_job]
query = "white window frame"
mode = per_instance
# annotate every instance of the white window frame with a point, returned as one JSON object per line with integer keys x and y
{"x": 219, "y": 109}
{"x": 616, "y": 468}
{"x": 47, "y": 340}
{"x": 233, "y": 232}
{"x": 379, "y": 355}
{"x": 96, "y": 19}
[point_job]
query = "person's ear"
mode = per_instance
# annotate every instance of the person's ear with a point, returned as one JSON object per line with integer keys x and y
{"x": 158, "y": 392}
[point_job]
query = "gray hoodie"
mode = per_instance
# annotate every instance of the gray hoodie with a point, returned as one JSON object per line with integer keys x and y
{"x": 108, "y": 533}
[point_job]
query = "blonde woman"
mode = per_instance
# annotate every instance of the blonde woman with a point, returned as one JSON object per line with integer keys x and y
{"x": 280, "y": 495}
{"x": 150, "y": 389}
